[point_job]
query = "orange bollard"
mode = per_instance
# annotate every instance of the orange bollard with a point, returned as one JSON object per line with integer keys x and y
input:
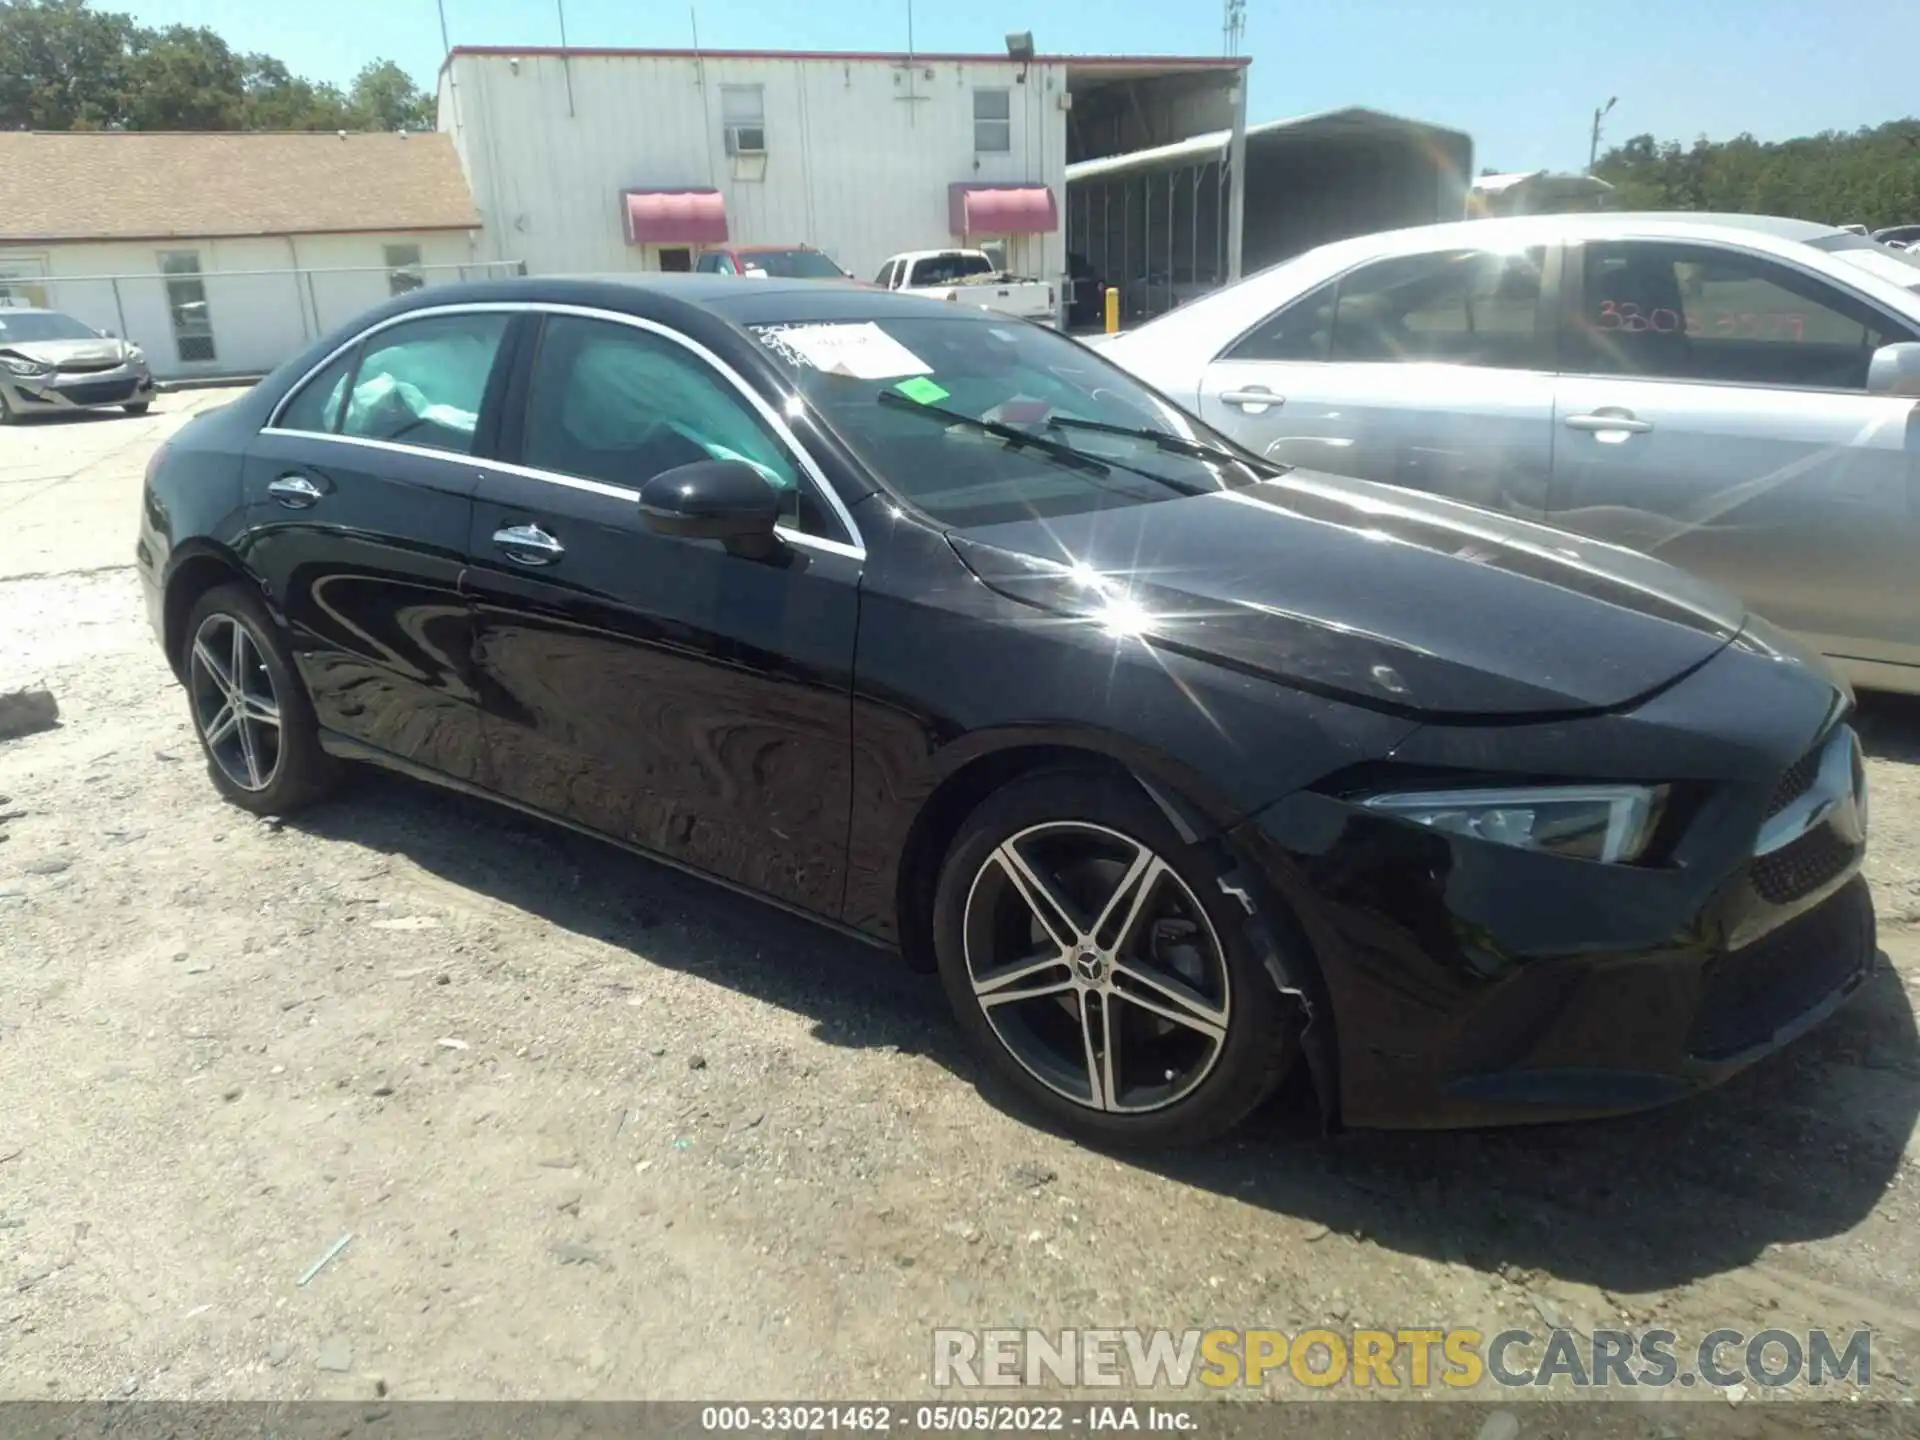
{"x": 1113, "y": 310}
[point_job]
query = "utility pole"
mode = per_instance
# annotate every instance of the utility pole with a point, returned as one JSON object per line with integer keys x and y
{"x": 1593, "y": 149}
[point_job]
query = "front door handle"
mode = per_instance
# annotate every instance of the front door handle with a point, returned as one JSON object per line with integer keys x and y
{"x": 296, "y": 492}
{"x": 528, "y": 545}
{"x": 1254, "y": 399}
{"x": 1602, "y": 420}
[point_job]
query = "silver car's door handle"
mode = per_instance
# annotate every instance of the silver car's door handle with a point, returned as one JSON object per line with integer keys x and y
{"x": 528, "y": 545}
{"x": 1625, "y": 423}
{"x": 1254, "y": 398}
{"x": 296, "y": 492}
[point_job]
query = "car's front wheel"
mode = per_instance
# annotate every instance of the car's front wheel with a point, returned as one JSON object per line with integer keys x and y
{"x": 1099, "y": 967}
{"x": 137, "y": 407}
{"x": 249, "y": 710}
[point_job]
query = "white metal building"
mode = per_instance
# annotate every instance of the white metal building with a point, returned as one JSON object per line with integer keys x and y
{"x": 222, "y": 253}
{"x": 596, "y": 161}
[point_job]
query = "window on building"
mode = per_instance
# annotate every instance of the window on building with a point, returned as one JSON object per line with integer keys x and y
{"x": 993, "y": 121}
{"x": 187, "y": 306}
{"x": 421, "y": 382}
{"x": 611, "y": 403}
{"x": 743, "y": 112}
{"x": 403, "y": 269}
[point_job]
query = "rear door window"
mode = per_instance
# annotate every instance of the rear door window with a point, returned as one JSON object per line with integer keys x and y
{"x": 420, "y": 382}
{"x": 1462, "y": 307}
{"x": 1697, "y": 312}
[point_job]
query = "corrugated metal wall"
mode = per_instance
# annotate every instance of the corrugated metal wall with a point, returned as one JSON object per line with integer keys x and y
{"x": 859, "y": 152}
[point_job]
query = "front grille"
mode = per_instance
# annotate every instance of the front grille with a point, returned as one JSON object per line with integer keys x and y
{"x": 98, "y": 392}
{"x": 1797, "y": 781}
{"x": 1749, "y": 996}
{"x": 88, "y": 367}
{"x": 1801, "y": 867}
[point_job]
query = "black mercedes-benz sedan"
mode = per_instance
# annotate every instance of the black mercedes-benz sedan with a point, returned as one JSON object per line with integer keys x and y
{"x": 1179, "y": 769}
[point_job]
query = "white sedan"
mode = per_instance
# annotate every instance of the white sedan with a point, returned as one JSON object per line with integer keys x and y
{"x": 1736, "y": 394}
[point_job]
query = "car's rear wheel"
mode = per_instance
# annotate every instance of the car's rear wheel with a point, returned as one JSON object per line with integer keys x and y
{"x": 249, "y": 710}
{"x": 138, "y": 407}
{"x": 1100, "y": 969}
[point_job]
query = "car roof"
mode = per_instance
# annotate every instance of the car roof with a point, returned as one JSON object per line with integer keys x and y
{"x": 758, "y": 249}
{"x": 668, "y": 297}
{"x": 1520, "y": 228}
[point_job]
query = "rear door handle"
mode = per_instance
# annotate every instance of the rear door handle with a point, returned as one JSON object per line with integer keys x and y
{"x": 1253, "y": 399}
{"x": 528, "y": 545}
{"x": 1626, "y": 424}
{"x": 296, "y": 492}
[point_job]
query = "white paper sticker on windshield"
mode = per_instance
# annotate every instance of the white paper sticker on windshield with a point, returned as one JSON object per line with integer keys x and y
{"x": 865, "y": 351}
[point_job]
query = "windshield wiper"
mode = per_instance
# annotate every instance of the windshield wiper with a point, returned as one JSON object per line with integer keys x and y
{"x": 1175, "y": 444}
{"x": 1014, "y": 437}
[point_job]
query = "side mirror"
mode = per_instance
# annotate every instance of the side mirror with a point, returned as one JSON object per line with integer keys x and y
{"x": 722, "y": 500}
{"x": 1895, "y": 370}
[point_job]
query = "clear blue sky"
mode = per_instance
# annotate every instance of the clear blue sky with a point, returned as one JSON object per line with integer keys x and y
{"x": 1521, "y": 76}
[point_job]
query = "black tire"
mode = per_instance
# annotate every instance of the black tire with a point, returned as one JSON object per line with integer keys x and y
{"x": 299, "y": 772}
{"x": 138, "y": 407}
{"x": 6, "y": 411}
{"x": 1260, "y": 1044}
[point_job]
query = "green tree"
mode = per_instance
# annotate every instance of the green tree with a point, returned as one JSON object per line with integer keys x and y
{"x": 184, "y": 78}
{"x": 67, "y": 66}
{"x": 384, "y": 97}
{"x": 62, "y": 66}
{"x": 274, "y": 99}
{"x": 1867, "y": 177}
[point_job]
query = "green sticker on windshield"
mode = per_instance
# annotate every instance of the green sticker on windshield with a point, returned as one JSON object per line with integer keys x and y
{"x": 922, "y": 390}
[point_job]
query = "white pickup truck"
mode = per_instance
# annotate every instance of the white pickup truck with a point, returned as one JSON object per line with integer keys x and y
{"x": 968, "y": 277}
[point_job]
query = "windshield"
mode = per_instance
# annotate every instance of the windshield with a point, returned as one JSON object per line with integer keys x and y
{"x": 793, "y": 264}
{"x": 972, "y": 382}
{"x": 26, "y": 327}
{"x": 1898, "y": 267}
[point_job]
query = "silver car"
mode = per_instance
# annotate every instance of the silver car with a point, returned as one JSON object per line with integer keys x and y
{"x": 51, "y": 364}
{"x": 1735, "y": 394}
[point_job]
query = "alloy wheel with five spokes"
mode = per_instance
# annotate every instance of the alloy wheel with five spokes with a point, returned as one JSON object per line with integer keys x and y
{"x": 1096, "y": 967}
{"x": 234, "y": 702}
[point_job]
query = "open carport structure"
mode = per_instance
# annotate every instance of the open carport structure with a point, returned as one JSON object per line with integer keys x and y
{"x": 1160, "y": 223}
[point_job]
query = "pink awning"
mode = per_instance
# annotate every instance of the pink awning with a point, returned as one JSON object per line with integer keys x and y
{"x": 1001, "y": 209}
{"x": 675, "y": 217}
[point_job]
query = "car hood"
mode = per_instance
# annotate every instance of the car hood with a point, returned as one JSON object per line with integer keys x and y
{"x": 1396, "y": 600}
{"x": 70, "y": 352}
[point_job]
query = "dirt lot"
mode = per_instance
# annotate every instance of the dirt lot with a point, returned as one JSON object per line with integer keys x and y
{"x": 598, "y": 1130}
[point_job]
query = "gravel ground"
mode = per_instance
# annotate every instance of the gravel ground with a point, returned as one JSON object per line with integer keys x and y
{"x": 599, "y": 1130}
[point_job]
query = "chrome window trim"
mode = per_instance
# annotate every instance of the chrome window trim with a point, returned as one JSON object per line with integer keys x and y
{"x": 782, "y": 432}
{"x": 554, "y": 477}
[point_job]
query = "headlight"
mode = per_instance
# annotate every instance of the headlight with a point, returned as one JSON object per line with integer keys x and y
{"x": 20, "y": 365}
{"x": 1582, "y": 822}
{"x": 135, "y": 354}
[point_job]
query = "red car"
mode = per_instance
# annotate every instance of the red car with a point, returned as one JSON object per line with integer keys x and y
{"x": 786, "y": 262}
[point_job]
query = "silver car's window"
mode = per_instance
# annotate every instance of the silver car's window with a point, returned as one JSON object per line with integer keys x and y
{"x": 1463, "y": 307}
{"x": 1692, "y": 312}
{"x": 1300, "y": 331}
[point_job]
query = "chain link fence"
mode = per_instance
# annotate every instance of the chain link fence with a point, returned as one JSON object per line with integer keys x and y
{"x": 232, "y": 323}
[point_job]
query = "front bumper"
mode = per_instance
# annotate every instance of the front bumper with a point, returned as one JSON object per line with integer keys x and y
{"x": 1471, "y": 983}
{"x": 63, "y": 392}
